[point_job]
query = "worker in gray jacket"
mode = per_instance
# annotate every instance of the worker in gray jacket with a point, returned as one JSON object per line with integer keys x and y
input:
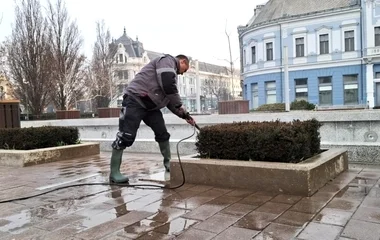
{"x": 152, "y": 89}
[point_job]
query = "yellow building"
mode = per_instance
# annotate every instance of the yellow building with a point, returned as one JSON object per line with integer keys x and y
{"x": 6, "y": 91}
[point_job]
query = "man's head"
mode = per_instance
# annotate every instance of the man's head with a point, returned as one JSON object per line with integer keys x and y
{"x": 183, "y": 64}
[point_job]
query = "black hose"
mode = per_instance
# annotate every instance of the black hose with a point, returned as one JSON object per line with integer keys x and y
{"x": 141, "y": 186}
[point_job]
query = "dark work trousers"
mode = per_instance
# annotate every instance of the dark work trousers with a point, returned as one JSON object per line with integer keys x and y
{"x": 130, "y": 118}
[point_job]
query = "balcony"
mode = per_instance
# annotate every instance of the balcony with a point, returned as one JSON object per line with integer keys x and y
{"x": 373, "y": 51}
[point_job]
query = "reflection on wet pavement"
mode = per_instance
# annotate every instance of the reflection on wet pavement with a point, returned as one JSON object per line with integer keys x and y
{"x": 191, "y": 212}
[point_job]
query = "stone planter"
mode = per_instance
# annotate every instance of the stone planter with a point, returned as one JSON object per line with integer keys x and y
{"x": 10, "y": 114}
{"x": 23, "y": 158}
{"x": 303, "y": 178}
{"x": 233, "y": 107}
{"x": 69, "y": 114}
{"x": 108, "y": 112}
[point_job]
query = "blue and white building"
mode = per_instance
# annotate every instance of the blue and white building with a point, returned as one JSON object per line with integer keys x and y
{"x": 333, "y": 52}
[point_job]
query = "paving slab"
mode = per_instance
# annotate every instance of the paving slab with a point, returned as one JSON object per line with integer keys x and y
{"x": 346, "y": 208}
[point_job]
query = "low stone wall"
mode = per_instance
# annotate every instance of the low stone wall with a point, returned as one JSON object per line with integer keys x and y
{"x": 303, "y": 178}
{"x": 22, "y": 158}
{"x": 355, "y": 130}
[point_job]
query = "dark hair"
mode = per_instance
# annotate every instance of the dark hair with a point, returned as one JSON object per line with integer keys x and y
{"x": 181, "y": 56}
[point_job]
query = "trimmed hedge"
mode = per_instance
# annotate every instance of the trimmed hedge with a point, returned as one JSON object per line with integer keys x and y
{"x": 280, "y": 107}
{"x": 37, "y": 137}
{"x": 302, "y": 105}
{"x": 273, "y": 141}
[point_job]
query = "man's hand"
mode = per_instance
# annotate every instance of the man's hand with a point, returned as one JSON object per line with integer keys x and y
{"x": 190, "y": 120}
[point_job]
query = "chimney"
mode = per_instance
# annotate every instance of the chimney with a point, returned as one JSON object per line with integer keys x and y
{"x": 258, "y": 9}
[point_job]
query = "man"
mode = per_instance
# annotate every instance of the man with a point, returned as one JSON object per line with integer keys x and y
{"x": 152, "y": 89}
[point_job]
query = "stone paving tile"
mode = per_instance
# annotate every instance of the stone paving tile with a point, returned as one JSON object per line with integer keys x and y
{"x": 345, "y": 204}
{"x": 204, "y": 212}
{"x": 317, "y": 231}
{"x": 238, "y": 209}
{"x": 275, "y": 208}
{"x": 256, "y": 220}
{"x": 308, "y": 206}
{"x": 176, "y": 227}
{"x": 195, "y": 234}
{"x": 278, "y": 232}
{"x": 367, "y": 214}
{"x": 217, "y": 223}
{"x": 333, "y": 216}
{"x": 356, "y": 229}
{"x": 288, "y": 199}
{"x": 255, "y": 199}
{"x": 294, "y": 218}
{"x": 236, "y": 234}
{"x": 190, "y": 212}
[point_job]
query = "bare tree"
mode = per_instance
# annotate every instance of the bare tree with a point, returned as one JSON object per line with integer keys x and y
{"x": 66, "y": 43}
{"x": 29, "y": 56}
{"x": 101, "y": 72}
{"x": 218, "y": 87}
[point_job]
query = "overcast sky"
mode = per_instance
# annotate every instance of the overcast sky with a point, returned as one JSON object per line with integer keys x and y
{"x": 195, "y": 28}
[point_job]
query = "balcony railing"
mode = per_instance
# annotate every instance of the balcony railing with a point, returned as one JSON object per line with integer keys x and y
{"x": 373, "y": 51}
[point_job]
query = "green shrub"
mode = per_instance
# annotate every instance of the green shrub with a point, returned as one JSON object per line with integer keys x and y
{"x": 37, "y": 137}
{"x": 301, "y": 105}
{"x": 273, "y": 107}
{"x": 260, "y": 141}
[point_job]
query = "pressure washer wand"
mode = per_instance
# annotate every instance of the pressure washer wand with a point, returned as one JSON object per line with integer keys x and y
{"x": 195, "y": 125}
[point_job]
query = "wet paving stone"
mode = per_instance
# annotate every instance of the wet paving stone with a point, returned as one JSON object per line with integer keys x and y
{"x": 278, "y": 232}
{"x": 308, "y": 206}
{"x": 256, "y": 220}
{"x": 294, "y": 218}
{"x": 238, "y": 209}
{"x": 288, "y": 199}
{"x": 367, "y": 214}
{"x": 236, "y": 233}
{"x": 190, "y": 212}
{"x": 217, "y": 223}
{"x": 317, "y": 231}
{"x": 346, "y": 204}
{"x": 356, "y": 229}
{"x": 333, "y": 216}
{"x": 177, "y": 226}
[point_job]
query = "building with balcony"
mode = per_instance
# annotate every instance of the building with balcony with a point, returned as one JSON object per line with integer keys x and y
{"x": 333, "y": 50}
{"x": 215, "y": 82}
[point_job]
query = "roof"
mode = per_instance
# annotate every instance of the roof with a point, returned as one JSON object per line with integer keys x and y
{"x": 134, "y": 48}
{"x": 280, "y": 9}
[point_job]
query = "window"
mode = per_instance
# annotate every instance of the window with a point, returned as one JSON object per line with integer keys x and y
{"x": 120, "y": 75}
{"x": 301, "y": 89}
{"x": 270, "y": 89}
{"x": 351, "y": 89}
{"x": 324, "y": 44}
{"x": 377, "y": 75}
{"x": 325, "y": 91}
{"x": 121, "y": 58}
{"x": 300, "y": 47}
{"x": 349, "y": 44}
{"x": 269, "y": 51}
{"x": 255, "y": 95}
{"x": 253, "y": 51}
{"x": 244, "y": 58}
{"x": 377, "y": 36}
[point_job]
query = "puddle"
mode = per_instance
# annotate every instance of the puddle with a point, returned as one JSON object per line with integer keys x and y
{"x": 354, "y": 191}
{"x": 361, "y": 180}
{"x": 139, "y": 228}
{"x": 176, "y": 226}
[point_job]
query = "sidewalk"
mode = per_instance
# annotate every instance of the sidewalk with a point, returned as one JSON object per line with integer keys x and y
{"x": 346, "y": 208}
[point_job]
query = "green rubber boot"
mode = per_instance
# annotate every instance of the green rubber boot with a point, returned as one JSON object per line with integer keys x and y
{"x": 115, "y": 175}
{"x": 165, "y": 151}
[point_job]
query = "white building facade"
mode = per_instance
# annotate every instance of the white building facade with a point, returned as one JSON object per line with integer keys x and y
{"x": 333, "y": 52}
{"x": 215, "y": 82}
